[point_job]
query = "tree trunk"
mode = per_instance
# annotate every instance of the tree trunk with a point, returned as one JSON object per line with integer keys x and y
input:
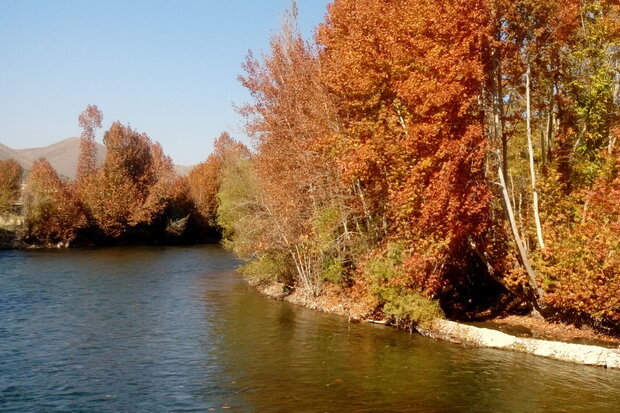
{"x": 500, "y": 103}
{"x": 520, "y": 246}
{"x": 530, "y": 149}
{"x": 546, "y": 147}
{"x": 498, "y": 109}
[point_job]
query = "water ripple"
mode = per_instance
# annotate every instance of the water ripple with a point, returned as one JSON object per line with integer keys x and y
{"x": 175, "y": 329}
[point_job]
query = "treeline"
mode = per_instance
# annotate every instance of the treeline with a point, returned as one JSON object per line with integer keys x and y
{"x": 134, "y": 197}
{"x": 457, "y": 154}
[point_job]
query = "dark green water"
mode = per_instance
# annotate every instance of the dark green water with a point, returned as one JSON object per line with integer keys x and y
{"x": 175, "y": 329}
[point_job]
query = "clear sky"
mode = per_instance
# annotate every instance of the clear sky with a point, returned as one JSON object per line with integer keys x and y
{"x": 168, "y": 68}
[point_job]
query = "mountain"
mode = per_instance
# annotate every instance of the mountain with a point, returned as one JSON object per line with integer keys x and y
{"x": 63, "y": 156}
{"x": 8, "y": 153}
{"x": 182, "y": 170}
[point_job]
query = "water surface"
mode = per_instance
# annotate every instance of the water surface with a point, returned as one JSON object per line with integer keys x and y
{"x": 159, "y": 329}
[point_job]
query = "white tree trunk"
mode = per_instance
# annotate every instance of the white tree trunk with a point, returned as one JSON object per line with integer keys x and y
{"x": 515, "y": 232}
{"x": 530, "y": 148}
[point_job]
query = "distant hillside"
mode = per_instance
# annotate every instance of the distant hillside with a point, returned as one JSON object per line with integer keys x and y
{"x": 182, "y": 170}
{"x": 63, "y": 156}
{"x": 8, "y": 153}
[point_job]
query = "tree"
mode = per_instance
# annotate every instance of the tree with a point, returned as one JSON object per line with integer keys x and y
{"x": 179, "y": 212}
{"x": 406, "y": 77}
{"x": 290, "y": 119}
{"x": 133, "y": 187}
{"x": 205, "y": 178}
{"x": 593, "y": 87}
{"x": 411, "y": 126}
{"x": 10, "y": 179}
{"x": 89, "y": 119}
{"x": 581, "y": 264}
{"x": 52, "y": 213}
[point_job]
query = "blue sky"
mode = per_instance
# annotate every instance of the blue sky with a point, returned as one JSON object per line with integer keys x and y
{"x": 168, "y": 68}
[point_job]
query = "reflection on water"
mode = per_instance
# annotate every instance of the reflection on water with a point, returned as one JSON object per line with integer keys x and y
{"x": 175, "y": 329}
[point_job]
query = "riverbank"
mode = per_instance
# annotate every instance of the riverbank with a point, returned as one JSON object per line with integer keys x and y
{"x": 9, "y": 239}
{"x": 13, "y": 238}
{"x": 605, "y": 353}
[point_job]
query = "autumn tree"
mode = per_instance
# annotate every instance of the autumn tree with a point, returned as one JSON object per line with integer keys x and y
{"x": 10, "y": 180}
{"x": 406, "y": 78}
{"x": 290, "y": 120}
{"x": 554, "y": 85}
{"x": 89, "y": 119}
{"x": 53, "y": 215}
{"x": 205, "y": 178}
{"x": 469, "y": 144}
{"x": 179, "y": 211}
{"x": 133, "y": 186}
{"x": 578, "y": 266}
{"x": 204, "y": 186}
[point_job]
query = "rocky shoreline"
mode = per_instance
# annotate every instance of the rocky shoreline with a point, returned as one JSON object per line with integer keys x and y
{"x": 483, "y": 337}
{"x": 454, "y": 332}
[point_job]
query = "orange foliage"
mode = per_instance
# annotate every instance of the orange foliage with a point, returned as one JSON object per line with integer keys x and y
{"x": 403, "y": 104}
{"x": 203, "y": 181}
{"x": 89, "y": 120}
{"x": 581, "y": 265}
{"x": 289, "y": 120}
{"x": 53, "y": 214}
{"x": 133, "y": 186}
{"x": 407, "y": 77}
{"x": 297, "y": 187}
{"x": 205, "y": 178}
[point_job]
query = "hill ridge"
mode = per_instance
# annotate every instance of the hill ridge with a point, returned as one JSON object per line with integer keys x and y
{"x": 63, "y": 156}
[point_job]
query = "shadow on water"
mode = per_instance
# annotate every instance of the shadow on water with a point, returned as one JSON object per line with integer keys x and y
{"x": 316, "y": 362}
{"x": 176, "y": 329}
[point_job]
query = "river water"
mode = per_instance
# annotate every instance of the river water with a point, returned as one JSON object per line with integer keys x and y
{"x": 158, "y": 329}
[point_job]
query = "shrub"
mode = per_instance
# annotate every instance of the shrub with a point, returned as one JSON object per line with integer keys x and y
{"x": 405, "y": 306}
{"x": 273, "y": 266}
{"x": 333, "y": 271}
{"x": 412, "y": 309}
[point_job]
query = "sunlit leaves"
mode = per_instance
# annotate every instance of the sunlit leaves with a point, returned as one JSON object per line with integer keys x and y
{"x": 132, "y": 187}
{"x": 205, "y": 178}
{"x": 406, "y": 77}
{"x": 89, "y": 120}
{"x": 53, "y": 214}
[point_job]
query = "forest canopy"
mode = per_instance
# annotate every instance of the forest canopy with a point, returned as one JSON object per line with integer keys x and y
{"x": 460, "y": 152}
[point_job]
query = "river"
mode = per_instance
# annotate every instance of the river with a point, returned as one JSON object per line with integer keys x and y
{"x": 158, "y": 329}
